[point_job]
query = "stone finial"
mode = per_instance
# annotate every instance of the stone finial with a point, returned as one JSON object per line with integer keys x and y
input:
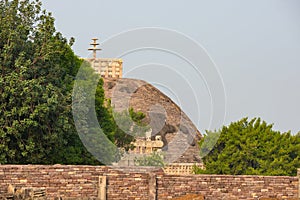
{"x": 94, "y": 48}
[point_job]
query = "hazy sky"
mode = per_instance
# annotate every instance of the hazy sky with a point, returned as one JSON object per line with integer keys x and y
{"x": 255, "y": 45}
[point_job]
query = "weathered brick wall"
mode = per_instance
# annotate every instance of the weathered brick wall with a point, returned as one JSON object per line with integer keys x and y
{"x": 127, "y": 185}
{"x": 75, "y": 181}
{"x": 83, "y": 181}
{"x": 214, "y": 187}
{"x": 72, "y": 181}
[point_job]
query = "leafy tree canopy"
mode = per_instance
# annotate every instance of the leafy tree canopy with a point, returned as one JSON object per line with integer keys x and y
{"x": 37, "y": 73}
{"x": 37, "y": 68}
{"x": 251, "y": 147}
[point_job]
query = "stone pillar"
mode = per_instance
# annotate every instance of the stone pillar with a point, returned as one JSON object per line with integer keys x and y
{"x": 141, "y": 149}
{"x": 102, "y": 188}
{"x": 152, "y": 186}
{"x": 121, "y": 68}
{"x": 113, "y": 69}
{"x": 106, "y": 70}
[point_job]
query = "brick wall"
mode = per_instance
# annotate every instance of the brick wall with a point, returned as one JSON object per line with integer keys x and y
{"x": 227, "y": 187}
{"x": 75, "y": 181}
{"x": 83, "y": 181}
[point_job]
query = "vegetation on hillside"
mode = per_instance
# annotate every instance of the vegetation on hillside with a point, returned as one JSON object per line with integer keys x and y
{"x": 129, "y": 124}
{"x": 251, "y": 147}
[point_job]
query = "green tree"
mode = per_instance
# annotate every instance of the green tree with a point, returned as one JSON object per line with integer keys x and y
{"x": 37, "y": 71}
{"x": 252, "y": 147}
{"x": 34, "y": 63}
{"x": 37, "y": 74}
{"x": 129, "y": 124}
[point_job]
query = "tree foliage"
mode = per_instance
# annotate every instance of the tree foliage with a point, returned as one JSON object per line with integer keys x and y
{"x": 37, "y": 73}
{"x": 91, "y": 109}
{"x": 129, "y": 125}
{"x": 252, "y": 147}
{"x": 37, "y": 69}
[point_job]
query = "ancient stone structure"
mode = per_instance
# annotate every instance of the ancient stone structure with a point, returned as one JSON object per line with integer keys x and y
{"x": 147, "y": 146}
{"x": 181, "y": 168}
{"x": 100, "y": 182}
{"x": 94, "y": 47}
{"x": 106, "y": 67}
{"x": 179, "y": 136}
{"x": 164, "y": 117}
{"x": 24, "y": 193}
{"x": 169, "y": 131}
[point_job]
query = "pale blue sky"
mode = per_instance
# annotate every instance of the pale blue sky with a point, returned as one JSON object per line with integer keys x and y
{"x": 254, "y": 43}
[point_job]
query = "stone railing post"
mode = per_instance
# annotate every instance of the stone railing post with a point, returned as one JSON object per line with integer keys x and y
{"x": 102, "y": 188}
{"x": 152, "y": 186}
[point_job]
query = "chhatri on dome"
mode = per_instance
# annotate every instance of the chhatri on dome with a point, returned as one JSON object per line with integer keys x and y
{"x": 106, "y": 67}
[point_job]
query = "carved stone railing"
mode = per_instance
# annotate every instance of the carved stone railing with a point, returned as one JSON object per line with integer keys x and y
{"x": 181, "y": 168}
{"x": 24, "y": 193}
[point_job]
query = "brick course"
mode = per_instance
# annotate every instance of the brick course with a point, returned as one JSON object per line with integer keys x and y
{"x": 79, "y": 182}
{"x": 227, "y": 187}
